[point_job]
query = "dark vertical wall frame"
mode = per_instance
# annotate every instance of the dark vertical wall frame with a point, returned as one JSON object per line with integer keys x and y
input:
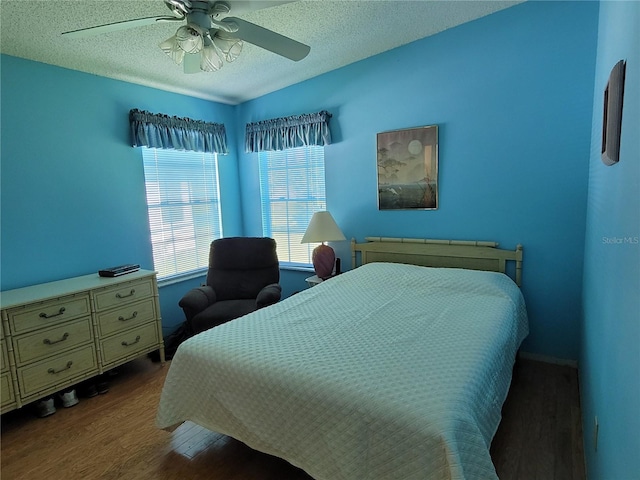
{"x": 612, "y": 114}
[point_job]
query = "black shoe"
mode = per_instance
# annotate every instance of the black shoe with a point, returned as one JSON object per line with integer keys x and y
{"x": 102, "y": 385}
{"x": 88, "y": 389}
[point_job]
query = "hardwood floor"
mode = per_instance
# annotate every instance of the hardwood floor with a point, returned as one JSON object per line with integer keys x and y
{"x": 540, "y": 436}
{"x": 112, "y": 436}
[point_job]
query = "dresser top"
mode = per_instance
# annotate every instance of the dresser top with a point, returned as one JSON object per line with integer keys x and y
{"x": 68, "y": 286}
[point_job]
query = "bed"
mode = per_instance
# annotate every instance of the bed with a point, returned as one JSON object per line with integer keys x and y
{"x": 396, "y": 369}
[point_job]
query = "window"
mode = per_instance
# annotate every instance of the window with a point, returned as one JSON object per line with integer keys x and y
{"x": 184, "y": 208}
{"x": 292, "y": 189}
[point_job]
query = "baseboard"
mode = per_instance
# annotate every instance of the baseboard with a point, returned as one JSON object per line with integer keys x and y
{"x": 547, "y": 359}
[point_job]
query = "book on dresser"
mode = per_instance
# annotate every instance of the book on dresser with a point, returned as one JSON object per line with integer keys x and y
{"x": 57, "y": 334}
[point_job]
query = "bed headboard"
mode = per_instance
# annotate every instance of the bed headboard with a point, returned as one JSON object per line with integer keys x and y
{"x": 437, "y": 253}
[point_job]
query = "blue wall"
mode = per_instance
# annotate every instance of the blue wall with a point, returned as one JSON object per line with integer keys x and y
{"x": 610, "y": 353}
{"x": 512, "y": 95}
{"x": 72, "y": 191}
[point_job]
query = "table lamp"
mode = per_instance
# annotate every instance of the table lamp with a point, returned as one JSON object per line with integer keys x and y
{"x": 323, "y": 228}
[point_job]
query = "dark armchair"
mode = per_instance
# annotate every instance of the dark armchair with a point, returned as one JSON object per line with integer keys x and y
{"x": 243, "y": 276}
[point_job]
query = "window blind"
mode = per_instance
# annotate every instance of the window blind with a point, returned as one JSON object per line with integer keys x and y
{"x": 292, "y": 187}
{"x": 183, "y": 201}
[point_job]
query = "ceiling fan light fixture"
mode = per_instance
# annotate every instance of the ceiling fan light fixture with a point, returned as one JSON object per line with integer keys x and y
{"x": 229, "y": 46}
{"x": 211, "y": 60}
{"x": 172, "y": 49}
{"x": 189, "y": 38}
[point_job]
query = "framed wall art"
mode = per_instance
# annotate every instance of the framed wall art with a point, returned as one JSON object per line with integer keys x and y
{"x": 408, "y": 169}
{"x": 612, "y": 114}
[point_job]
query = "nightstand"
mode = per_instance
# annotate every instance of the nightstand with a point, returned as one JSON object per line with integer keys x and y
{"x": 313, "y": 281}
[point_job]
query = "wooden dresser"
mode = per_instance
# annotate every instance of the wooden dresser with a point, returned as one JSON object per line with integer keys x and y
{"x": 57, "y": 334}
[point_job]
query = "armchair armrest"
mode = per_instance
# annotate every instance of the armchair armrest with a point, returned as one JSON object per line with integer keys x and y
{"x": 196, "y": 300}
{"x": 269, "y": 295}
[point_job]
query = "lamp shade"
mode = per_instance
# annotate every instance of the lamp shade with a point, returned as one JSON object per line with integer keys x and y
{"x": 322, "y": 228}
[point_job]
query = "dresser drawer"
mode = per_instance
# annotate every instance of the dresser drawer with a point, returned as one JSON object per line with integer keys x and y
{"x": 123, "y": 293}
{"x": 6, "y": 390}
{"x": 5, "y": 359}
{"x": 129, "y": 342}
{"x": 125, "y": 317}
{"x": 51, "y": 341}
{"x": 57, "y": 369}
{"x": 51, "y": 312}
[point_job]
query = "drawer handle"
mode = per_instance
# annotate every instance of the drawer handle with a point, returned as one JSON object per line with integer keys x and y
{"x": 134, "y": 315}
{"x": 53, "y": 371}
{"x": 127, "y": 344}
{"x": 60, "y": 312}
{"x": 46, "y": 341}
{"x": 133, "y": 290}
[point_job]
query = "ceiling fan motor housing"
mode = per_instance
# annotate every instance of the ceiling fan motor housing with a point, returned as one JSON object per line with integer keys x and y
{"x": 201, "y": 19}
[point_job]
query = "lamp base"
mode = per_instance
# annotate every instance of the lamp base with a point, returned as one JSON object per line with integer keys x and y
{"x": 323, "y": 258}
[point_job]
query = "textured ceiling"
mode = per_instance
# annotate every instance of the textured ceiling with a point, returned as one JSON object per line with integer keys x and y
{"x": 338, "y": 32}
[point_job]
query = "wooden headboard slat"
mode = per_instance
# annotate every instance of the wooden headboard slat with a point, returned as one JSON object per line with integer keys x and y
{"x": 432, "y": 241}
{"x": 474, "y": 255}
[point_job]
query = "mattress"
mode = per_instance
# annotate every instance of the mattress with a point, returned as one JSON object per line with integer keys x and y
{"x": 387, "y": 371}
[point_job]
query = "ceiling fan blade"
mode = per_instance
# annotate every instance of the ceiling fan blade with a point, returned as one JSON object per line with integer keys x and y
{"x": 191, "y": 63}
{"x": 240, "y": 7}
{"x": 267, "y": 39}
{"x": 113, "y": 27}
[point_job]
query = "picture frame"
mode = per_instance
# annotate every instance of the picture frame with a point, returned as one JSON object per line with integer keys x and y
{"x": 408, "y": 169}
{"x": 612, "y": 114}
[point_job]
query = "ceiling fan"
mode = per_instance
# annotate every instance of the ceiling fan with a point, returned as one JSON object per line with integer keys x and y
{"x": 210, "y": 35}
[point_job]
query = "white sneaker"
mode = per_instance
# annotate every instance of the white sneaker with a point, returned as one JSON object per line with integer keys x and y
{"x": 69, "y": 398}
{"x": 45, "y": 407}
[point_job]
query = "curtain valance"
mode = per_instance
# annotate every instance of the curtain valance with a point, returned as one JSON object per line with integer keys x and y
{"x": 288, "y": 132}
{"x": 162, "y": 131}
